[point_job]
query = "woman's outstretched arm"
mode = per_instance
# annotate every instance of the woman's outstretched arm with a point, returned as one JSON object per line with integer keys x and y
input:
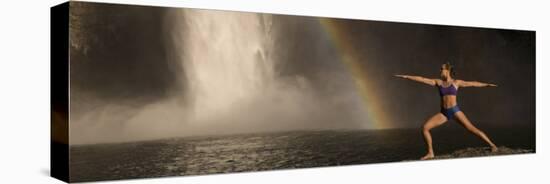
{"x": 462, "y": 83}
{"x": 428, "y": 81}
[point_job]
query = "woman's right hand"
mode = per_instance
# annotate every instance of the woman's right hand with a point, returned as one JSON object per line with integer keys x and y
{"x": 401, "y": 76}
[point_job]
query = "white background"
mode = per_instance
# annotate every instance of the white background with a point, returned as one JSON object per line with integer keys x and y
{"x": 24, "y": 91}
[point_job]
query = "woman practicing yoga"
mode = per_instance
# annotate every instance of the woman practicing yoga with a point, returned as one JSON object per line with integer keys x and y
{"x": 448, "y": 89}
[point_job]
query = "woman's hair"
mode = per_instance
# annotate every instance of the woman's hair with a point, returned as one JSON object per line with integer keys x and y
{"x": 451, "y": 68}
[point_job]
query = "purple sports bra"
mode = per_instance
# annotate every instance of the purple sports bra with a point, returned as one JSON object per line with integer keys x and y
{"x": 449, "y": 90}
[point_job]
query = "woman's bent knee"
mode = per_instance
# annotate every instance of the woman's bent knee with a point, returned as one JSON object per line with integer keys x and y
{"x": 426, "y": 129}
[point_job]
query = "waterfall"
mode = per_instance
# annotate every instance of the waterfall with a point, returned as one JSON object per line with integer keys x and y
{"x": 226, "y": 58}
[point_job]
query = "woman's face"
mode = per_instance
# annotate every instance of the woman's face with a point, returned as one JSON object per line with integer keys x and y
{"x": 445, "y": 73}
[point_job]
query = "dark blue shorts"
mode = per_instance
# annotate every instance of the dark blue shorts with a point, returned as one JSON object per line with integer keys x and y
{"x": 450, "y": 112}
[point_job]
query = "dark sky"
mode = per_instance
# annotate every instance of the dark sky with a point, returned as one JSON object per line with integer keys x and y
{"x": 125, "y": 59}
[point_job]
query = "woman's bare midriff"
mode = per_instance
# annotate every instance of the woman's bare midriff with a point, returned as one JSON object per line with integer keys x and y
{"x": 448, "y": 101}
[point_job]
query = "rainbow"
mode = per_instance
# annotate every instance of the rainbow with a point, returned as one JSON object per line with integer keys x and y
{"x": 377, "y": 116}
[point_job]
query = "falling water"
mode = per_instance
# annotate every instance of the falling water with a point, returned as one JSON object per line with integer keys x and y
{"x": 233, "y": 81}
{"x": 226, "y": 58}
{"x": 229, "y": 59}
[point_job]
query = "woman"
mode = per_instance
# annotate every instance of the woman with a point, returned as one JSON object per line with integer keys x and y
{"x": 448, "y": 89}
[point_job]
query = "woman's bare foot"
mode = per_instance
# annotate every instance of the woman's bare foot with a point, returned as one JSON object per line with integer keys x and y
{"x": 494, "y": 149}
{"x": 428, "y": 156}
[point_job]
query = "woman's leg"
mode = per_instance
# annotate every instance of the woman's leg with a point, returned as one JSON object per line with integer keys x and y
{"x": 434, "y": 121}
{"x": 461, "y": 117}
